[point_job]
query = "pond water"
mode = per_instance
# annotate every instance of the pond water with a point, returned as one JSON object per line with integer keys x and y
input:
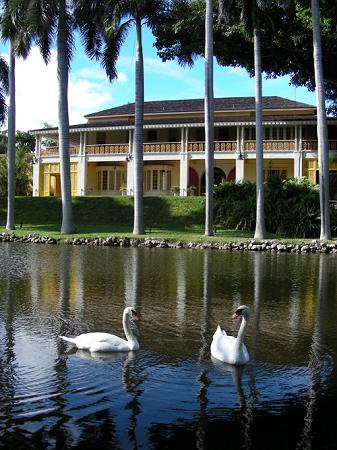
{"x": 170, "y": 393}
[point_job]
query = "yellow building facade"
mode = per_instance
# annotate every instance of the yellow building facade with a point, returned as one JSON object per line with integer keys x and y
{"x": 101, "y": 150}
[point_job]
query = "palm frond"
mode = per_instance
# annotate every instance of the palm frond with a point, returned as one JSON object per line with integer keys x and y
{"x": 4, "y": 74}
{"x": 88, "y": 20}
{"x": 113, "y": 40}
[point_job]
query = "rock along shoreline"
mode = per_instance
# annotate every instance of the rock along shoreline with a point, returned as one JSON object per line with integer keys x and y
{"x": 314, "y": 246}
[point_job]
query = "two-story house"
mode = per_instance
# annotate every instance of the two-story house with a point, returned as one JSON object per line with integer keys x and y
{"x": 101, "y": 150}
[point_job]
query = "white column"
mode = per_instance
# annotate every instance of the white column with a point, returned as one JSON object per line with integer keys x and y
{"x": 239, "y": 162}
{"x": 81, "y": 174}
{"x": 183, "y": 175}
{"x": 36, "y": 167}
{"x": 239, "y": 169}
{"x": 38, "y": 146}
{"x": 36, "y": 178}
{"x": 238, "y": 139}
{"x": 298, "y": 164}
{"x": 82, "y": 166}
{"x": 129, "y": 166}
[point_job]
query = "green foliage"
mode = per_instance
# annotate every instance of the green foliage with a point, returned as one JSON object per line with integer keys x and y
{"x": 23, "y": 170}
{"x": 286, "y": 40}
{"x": 25, "y": 141}
{"x": 3, "y": 176}
{"x": 234, "y": 205}
{"x": 291, "y": 207}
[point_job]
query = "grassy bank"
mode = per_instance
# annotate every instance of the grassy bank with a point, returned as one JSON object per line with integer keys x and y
{"x": 178, "y": 218}
{"x": 173, "y": 218}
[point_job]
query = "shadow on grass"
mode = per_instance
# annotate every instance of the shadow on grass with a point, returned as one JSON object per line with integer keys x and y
{"x": 172, "y": 216}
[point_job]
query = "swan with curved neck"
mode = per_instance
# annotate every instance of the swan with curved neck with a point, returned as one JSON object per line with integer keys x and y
{"x": 230, "y": 349}
{"x": 105, "y": 342}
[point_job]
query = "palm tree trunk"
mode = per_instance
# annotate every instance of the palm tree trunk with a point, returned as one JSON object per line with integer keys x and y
{"x": 209, "y": 118}
{"x": 63, "y": 116}
{"x": 322, "y": 129}
{"x": 138, "y": 227}
{"x": 260, "y": 229}
{"x": 11, "y": 140}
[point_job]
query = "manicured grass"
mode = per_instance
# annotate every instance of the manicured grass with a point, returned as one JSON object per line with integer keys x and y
{"x": 171, "y": 218}
{"x": 175, "y": 218}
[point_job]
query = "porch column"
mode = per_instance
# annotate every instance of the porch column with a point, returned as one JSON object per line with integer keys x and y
{"x": 82, "y": 166}
{"x": 36, "y": 167}
{"x": 183, "y": 175}
{"x": 298, "y": 154}
{"x": 129, "y": 166}
{"x": 239, "y": 162}
{"x": 81, "y": 174}
{"x": 36, "y": 178}
{"x": 83, "y": 142}
{"x": 298, "y": 164}
{"x": 239, "y": 168}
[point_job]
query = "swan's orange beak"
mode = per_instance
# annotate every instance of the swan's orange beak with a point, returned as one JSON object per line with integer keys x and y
{"x": 235, "y": 316}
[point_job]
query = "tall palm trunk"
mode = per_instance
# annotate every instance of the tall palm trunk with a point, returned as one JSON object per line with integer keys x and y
{"x": 209, "y": 118}
{"x": 260, "y": 229}
{"x": 11, "y": 140}
{"x": 63, "y": 116}
{"x": 322, "y": 129}
{"x": 138, "y": 227}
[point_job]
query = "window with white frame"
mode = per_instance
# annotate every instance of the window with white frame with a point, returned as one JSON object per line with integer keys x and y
{"x": 110, "y": 179}
{"x": 157, "y": 179}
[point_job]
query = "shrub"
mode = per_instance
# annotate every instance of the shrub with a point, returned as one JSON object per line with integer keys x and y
{"x": 291, "y": 207}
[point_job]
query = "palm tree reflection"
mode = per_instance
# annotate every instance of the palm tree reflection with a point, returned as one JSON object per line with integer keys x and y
{"x": 204, "y": 351}
{"x": 318, "y": 355}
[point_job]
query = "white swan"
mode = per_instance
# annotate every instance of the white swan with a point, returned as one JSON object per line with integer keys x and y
{"x": 105, "y": 342}
{"x": 230, "y": 349}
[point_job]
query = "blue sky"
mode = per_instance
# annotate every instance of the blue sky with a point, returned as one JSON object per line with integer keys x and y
{"x": 90, "y": 91}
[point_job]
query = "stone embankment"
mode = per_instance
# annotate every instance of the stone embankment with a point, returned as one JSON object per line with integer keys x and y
{"x": 313, "y": 246}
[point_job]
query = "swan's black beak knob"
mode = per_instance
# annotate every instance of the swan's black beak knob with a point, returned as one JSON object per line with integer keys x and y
{"x": 135, "y": 315}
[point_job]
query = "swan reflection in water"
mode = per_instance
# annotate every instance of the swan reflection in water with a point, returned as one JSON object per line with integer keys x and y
{"x": 130, "y": 381}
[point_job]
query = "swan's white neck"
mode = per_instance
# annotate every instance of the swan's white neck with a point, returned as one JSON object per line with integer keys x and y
{"x": 131, "y": 338}
{"x": 241, "y": 333}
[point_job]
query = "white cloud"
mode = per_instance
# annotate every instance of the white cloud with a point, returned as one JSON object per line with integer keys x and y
{"x": 37, "y": 93}
{"x": 99, "y": 74}
{"x": 240, "y": 71}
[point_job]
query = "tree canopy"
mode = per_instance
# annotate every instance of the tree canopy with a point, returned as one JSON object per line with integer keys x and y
{"x": 286, "y": 40}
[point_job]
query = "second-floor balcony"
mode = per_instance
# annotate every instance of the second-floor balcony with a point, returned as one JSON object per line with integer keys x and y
{"x": 197, "y": 146}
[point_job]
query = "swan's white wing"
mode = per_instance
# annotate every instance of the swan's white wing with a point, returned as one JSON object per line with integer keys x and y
{"x": 86, "y": 340}
{"x": 110, "y": 343}
{"x": 222, "y": 347}
{"x": 219, "y": 332}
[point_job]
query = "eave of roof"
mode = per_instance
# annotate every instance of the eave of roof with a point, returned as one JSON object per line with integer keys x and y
{"x": 195, "y": 122}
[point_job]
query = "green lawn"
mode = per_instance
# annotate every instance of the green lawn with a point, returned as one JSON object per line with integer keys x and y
{"x": 172, "y": 218}
{"x": 176, "y": 218}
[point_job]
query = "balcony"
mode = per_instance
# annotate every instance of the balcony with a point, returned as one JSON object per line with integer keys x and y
{"x": 270, "y": 146}
{"x": 54, "y": 151}
{"x": 107, "y": 149}
{"x": 219, "y": 146}
{"x": 199, "y": 146}
{"x": 312, "y": 144}
{"x": 162, "y": 147}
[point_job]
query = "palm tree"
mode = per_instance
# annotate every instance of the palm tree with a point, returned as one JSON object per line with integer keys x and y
{"x": 10, "y": 225}
{"x": 111, "y": 20}
{"x": 13, "y": 30}
{"x": 322, "y": 129}
{"x": 46, "y": 19}
{"x": 250, "y": 17}
{"x": 260, "y": 227}
{"x": 209, "y": 118}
